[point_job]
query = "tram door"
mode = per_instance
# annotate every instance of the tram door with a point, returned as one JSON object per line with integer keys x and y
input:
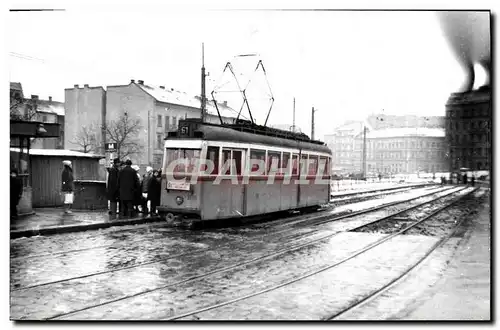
{"x": 233, "y": 194}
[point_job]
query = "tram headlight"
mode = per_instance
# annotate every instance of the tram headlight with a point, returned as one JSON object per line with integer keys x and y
{"x": 179, "y": 200}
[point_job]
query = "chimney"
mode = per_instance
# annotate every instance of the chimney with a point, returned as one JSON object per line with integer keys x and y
{"x": 141, "y": 82}
{"x": 162, "y": 87}
{"x": 172, "y": 89}
{"x": 225, "y": 103}
{"x": 34, "y": 97}
{"x": 132, "y": 81}
{"x": 76, "y": 86}
{"x": 86, "y": 86}
{"x": 50, "y": 98}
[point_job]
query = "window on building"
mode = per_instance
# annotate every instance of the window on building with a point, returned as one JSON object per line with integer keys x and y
{"x": 167, "y": 123}
{"x": 44, "y": 119}
{"x": 159, "y": 121}
{"x": 174, "y": 123}
{"x": 159, "y": 141}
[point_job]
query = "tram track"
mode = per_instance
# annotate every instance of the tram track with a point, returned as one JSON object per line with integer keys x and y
{"x": 175, "y": 231}
{"x": 395, "y": 280}
{"x": 369, "y": 247}
{"x": 205, "y": 275}
{"x": 268, "y": 236}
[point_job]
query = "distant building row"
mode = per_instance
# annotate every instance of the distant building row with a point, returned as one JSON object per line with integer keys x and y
{"x": 404, "y": 144}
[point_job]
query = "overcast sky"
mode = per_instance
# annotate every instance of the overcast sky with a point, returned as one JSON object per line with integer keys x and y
{"x": 346, "y": 64}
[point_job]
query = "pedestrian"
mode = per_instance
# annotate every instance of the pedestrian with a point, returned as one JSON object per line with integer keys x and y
{"x": 16, "y": 192}
{"x": 144, "y": 186}
{"x": 472, "y": 180}
{"x": 67, "y": 186}
{"x": 128, "y": 184}
{"x": 465, "y": 178}
{"x": 113, "y": 192}
{"x": 137, "y": 192}
{"x": 154, "y": 191}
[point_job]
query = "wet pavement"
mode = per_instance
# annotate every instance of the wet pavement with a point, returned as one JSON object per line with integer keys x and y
{"x": 153, "y": 271}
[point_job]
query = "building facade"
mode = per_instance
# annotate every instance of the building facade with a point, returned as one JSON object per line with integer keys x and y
{"x": 156, "y": 108}
{"x": 403, "y": 150}
{"x": 345, "y": 158}
{"x": 468, "y": 130}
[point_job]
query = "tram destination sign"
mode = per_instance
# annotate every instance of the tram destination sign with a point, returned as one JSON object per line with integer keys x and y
{"x": 172, "y": 185}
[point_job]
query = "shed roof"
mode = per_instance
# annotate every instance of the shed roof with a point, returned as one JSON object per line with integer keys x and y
{"x": 59, "y": 153}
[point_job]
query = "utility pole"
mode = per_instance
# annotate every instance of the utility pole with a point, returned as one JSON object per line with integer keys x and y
{"x": 293, "y": 123}
{"x": 203, "y": 76}
{"x": 312, "y": 123}
{"x": 364, "y": 152}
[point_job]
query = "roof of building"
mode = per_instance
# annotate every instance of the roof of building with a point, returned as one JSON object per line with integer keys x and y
{"x": 53, "y": 107}
{"x": 406, "y": 131}
{"x": 59, "y": 153}
{"x": 172, "y": 96}
{"x": 16, "y": 86}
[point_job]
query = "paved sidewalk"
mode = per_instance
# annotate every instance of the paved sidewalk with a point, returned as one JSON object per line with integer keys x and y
{"x": 47, "y": 221}
{"x": 464, "y": 291}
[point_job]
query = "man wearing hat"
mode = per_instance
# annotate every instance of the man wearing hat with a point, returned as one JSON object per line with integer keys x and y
{"x": 113, "y": 193}
{"x": 128, "y": 184}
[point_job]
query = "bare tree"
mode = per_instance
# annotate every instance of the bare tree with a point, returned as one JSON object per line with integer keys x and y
{"x": 124, "y": 132}
{"x": 23, "y": 109}
{"x": 86, "y": 138}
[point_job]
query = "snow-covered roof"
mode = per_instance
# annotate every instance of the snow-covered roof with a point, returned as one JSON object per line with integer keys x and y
{"x": 50, "y": 107}
{"x": 406, "y": 131}
{"x": 172, "y": 96}
{"x": 59, "y": 152}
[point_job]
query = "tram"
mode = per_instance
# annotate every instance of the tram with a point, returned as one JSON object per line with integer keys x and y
{"x": 223, "y": 171}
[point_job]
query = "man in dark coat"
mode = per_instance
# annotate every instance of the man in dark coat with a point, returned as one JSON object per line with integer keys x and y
{"x": 113, "y": 193}
{"x": 154, "y": 191}
{"x": 16, "y": 191}
{"x": 128, "y": 184}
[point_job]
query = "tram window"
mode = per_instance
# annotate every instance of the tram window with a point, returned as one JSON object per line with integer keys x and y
{"x": 295, "y": 164}
{"x": 322, "y": 165}
{"x": 237, "y": 161}
{"x": 313, "y": 164}
{"x": 213, "y": 156}
{"x": 273, "y": 160}
{"x": 186, "y": 159}
{"x": 172, "y": 155}
{"x": 284, "y": 163}
{"x": 303, "y": 164}
{"x": 226, "y": 162}
{"x": 255, "y": 155}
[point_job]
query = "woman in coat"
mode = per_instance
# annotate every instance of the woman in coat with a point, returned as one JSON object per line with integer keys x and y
{"x": 154, "y": 191}
{"x": 113, "y": 192}
{"x": 67, "y": 186}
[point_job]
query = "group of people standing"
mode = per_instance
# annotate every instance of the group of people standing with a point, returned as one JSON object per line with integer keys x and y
{"x": 130, "y": 192}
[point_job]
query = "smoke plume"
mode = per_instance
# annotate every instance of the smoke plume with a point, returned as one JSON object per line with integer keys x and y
{"x": 468, "y": 34}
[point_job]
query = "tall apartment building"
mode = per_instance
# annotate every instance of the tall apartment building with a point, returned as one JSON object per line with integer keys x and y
{"x": 468, "y": 130}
